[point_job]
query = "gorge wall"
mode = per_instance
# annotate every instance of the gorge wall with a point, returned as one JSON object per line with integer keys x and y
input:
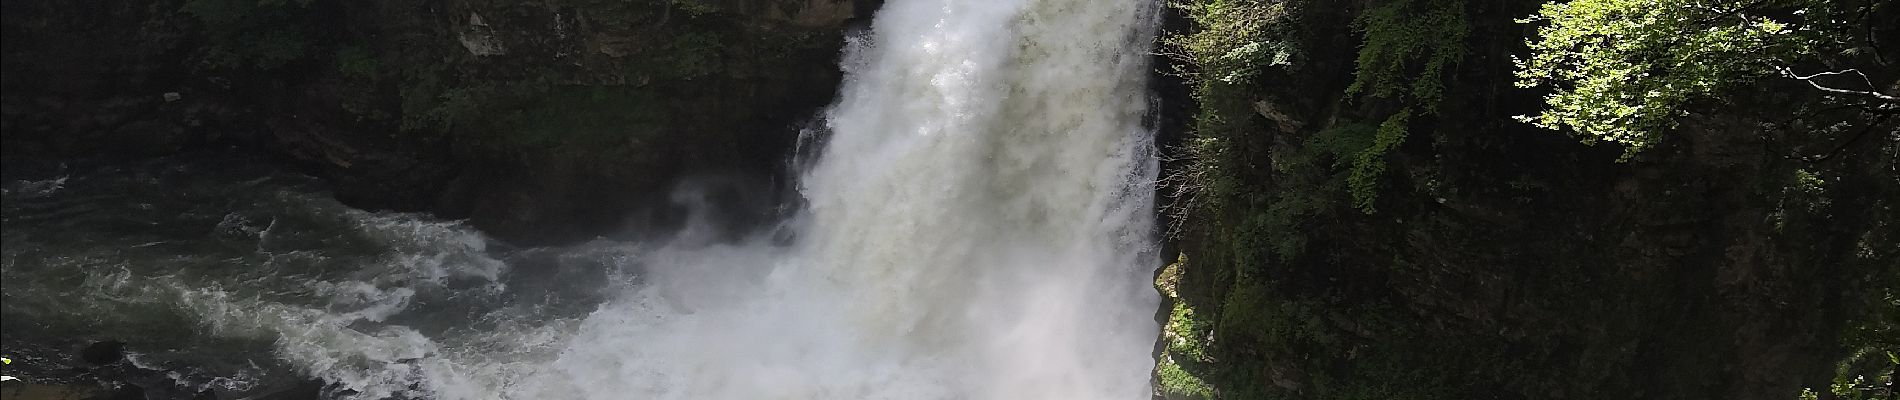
{"x": 1360, "y": 217}
{"x": 540, "y": 122}
{"x": 1356, "y": 211}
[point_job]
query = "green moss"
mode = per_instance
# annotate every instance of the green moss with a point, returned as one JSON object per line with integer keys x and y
{"x": 1186, "y": 334}
{"x": 1183, "y": 367}
{"x": 1178, "y": 383}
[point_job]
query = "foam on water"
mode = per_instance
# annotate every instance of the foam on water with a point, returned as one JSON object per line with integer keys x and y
{"x": 977, "y": 225}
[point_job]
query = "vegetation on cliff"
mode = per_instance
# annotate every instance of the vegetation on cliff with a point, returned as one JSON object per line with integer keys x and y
{"x": 1361, "y": 216}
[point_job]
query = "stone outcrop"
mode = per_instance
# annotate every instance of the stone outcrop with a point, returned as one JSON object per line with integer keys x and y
{"x": 541, "y": 122}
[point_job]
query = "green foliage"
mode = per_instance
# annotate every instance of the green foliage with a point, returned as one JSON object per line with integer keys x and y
{"x": 1177, "y": 383}
{"x": 1186, "y": 342}
{"x": 1867, "y": 374}
{"x": 1623, "y": 71}
{"x": 1238, "y": 38}
{"x": 1183, "y": 365}
{"x": 1424, "y": 303}
{"x": 1240, "y": 41}
{"x": 1409, "y": 45}
{"x": 1368, "y": 164}
{"x": 1310, "y": 186}
{"x": 1803, "y": 191}
{"x": 1873, "y": 342}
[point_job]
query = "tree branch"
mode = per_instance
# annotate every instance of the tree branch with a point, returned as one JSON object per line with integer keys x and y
{"x": 1873, "y": 90}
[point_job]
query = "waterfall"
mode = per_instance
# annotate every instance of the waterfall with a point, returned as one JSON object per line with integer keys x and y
{"x": 978, "y": 227}
{"x": 977, "y": 224}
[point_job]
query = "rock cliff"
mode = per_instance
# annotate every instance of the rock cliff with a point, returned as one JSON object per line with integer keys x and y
{"x": 541, "y": 122}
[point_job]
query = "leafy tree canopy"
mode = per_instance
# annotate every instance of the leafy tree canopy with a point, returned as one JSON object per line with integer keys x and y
{"x": 1623, "y": 71}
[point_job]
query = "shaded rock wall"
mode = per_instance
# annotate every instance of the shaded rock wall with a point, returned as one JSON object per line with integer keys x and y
{"x": 541, "y": 122}
{"x": 1505, "y": 261}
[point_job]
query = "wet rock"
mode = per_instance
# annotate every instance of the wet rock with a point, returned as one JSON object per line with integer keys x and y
{"x": 758, "y": 68}
{"x": 123, "y": 392}
{"x": 814, "y": 13}
{"x": 159, "y": 387}
{"x": 33, "y": 391}
{"x": 147, "y": 138}
{"x": 305, "y": 390}
{"x": 480, "y": 40}
{"x": 103, "y": 352}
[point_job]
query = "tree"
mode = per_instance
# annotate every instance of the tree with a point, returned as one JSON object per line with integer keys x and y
{"x": 1624, "y": 71}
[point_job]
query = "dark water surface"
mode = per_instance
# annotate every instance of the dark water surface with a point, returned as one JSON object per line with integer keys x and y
{"x": 238, "y": 277}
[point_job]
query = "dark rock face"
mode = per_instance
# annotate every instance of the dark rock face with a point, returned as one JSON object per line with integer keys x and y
{"x": 1510, "y": 262}
{"x": 103, "y": 352}
{"x": 100, "y": 371}
{"x": 539, "y": 122}
{"x": 30, "y": 391}
{"x": 306, "y": 390}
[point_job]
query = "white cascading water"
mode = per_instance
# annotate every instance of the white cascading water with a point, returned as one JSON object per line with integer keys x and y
{"x": 978, "y": 225}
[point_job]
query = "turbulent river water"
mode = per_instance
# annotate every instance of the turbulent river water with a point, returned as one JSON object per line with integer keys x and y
{"x": 976, "y": 224}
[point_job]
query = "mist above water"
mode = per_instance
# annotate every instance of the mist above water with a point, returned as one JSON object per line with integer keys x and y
{"x": 977, "y": 225}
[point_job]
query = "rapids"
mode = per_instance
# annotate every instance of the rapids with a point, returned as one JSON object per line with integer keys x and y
{"x": 977, "y": 223}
